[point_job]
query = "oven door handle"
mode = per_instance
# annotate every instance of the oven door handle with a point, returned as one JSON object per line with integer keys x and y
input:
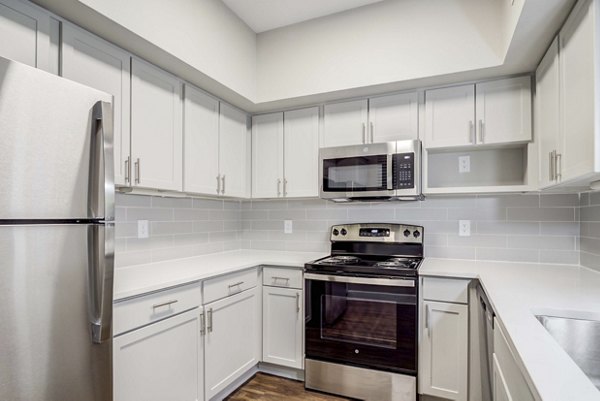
{"x": 392, "y": 282}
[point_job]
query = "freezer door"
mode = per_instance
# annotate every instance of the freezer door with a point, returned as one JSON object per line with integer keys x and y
{"x": 50, "y": 284}
{"x": 51, "y": 146}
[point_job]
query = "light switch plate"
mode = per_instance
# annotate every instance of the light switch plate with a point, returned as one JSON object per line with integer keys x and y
{"x": 287, "y": 227}
{"x": 143, "y": 230}
{"x": 464, "y": 164}
{"x": 464, "y": 228}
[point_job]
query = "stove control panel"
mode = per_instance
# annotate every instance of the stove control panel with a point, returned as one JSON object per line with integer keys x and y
{"x": 377, "y": 232}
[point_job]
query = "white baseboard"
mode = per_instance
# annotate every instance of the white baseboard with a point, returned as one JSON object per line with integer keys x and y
{"x": 282, "y": 371}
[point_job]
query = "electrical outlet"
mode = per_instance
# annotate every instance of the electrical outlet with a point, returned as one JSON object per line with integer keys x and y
{"x": 288, "y": 227}
{"x": 464, "y": 164}
{"x": 464, "y": 228}
{"x": 143, "y": 231}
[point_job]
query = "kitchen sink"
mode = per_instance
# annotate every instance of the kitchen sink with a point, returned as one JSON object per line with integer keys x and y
{"x": 580, "y": 338}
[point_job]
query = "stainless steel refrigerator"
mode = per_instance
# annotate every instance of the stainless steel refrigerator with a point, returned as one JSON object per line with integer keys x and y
{"x": 56, "y": 238}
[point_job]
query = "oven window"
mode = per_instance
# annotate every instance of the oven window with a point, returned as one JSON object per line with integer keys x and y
{"x": 351, "y": 174}
{"x": 359, "y": 321}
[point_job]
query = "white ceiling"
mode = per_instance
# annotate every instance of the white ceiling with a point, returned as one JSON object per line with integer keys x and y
{"x": 264, "y": 15}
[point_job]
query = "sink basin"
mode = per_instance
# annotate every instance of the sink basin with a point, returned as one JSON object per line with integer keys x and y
{"x": 580, "y": 338}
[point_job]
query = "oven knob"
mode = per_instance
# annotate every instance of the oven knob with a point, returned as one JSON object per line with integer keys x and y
{"x": 406, "y": 233}
{"x": 335, "y": 231}
{"x": 344, "y": 232}
{"x": 416, "y": 234}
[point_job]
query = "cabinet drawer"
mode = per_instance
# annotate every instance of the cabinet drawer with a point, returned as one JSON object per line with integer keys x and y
{"x": 229, "y": 284}
{"x": 282, "y": 277}
{"x": 446, "y": 289}
{"x": 137, "y": 312}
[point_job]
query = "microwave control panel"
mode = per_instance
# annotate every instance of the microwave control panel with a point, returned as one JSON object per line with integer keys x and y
{"x": 403, "y": 170}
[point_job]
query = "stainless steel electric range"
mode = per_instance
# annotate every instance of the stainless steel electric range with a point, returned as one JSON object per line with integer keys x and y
{"x": 361, "y": 313}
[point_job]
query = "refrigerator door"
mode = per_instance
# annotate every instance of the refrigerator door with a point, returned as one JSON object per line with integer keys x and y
{"x": 55, "y": 293}
{"x": 54, "y": 151}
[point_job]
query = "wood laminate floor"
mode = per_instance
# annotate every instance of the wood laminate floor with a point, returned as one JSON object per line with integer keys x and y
{"x": 273, "y": 388}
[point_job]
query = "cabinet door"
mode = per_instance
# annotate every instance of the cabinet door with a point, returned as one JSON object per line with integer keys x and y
{"x": 267, "y": 155}
{"x": 91, "y": 61}
{"x": 577, "y": 92}
{"x": 232, "y": 339}
{"x": 282, "y": 326}
{"x": 500, "y": 391}
{"x": 233, "y": 151}
{"x": 450, "y": 117}
{"x": 345, "y": 123}
{"x": 503, "y": 111}
{"x": 25, "y": 30}
{"x": 547, "y": 113}
{"x": 444, "y": 350}
{"x": 156, "y": 128}
{"x": 394, "y": 118}
{"x": 162, "y": 361}
{"x": 301, "y": 153}
{"x": 201, "y": 138}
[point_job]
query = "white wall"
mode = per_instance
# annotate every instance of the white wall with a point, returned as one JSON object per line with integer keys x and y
{"x": 203, "y": 33}
{"x": 395, "y": 40}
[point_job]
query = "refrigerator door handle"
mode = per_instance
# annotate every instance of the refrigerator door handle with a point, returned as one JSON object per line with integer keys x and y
{"x": 101, "y": 257}
{"x": 101, "y": 192}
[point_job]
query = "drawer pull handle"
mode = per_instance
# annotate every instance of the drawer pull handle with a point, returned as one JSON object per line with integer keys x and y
{"x": 238, "y": 284}
{"x": 169, "y": 303}
{"x": 286, "y": 279}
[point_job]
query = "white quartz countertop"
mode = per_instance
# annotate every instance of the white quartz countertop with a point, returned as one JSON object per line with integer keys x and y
{"x": 519, "y": 291}
{"x": 140, "y": 279}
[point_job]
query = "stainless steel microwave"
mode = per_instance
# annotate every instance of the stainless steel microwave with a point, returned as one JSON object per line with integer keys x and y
{"x": 378, "y": 171}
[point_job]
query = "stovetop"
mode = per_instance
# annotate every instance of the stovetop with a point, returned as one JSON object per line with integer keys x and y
{"x": 371, "y": 265}
{"x": 372, "y": 249}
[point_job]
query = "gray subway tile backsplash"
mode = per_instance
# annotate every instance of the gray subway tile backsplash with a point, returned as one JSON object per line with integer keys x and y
{"x": 589, "y": 236}
{"x": 529, "y": 227}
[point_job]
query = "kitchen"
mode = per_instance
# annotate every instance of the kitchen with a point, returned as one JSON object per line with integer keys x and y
{"x": 371, "y": 199}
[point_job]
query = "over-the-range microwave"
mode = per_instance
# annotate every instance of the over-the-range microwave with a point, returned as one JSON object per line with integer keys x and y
{"x": 378, "y": 171}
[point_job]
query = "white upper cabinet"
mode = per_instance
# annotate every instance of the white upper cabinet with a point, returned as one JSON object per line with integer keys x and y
{"x": 301, "y": 153}
{"x": 494, "y": 112}
{"x": 450, "y": 117}
{"x": 156, "y": 128}
{"x": 91, "y": 61}
{"x": 503, "y": 111}
{"x": 394, "y": 118}
{"x": 233, "y": 152}
{"x": 285, "y": 154}
{"x": 267, "y": 155}
{"x": 201, "y": 143}
{"x": 25, "y": 31}
{"x": 345, "y": 123}
{"x": 578, "y": 93}
{"x": 547, "y": 121}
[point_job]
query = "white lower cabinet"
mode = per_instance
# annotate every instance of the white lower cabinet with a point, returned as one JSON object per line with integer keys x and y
{"x": 508, "y": 383}
{"x": 282, "y": 326}
{"x": 232, "y": 340}
{"x": 443, "y": 349}
{"x": 161, "y": 361}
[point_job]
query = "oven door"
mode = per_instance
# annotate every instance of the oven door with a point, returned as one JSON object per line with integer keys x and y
{"x": 357, "y": 171}
{"x": 362, "y": 321}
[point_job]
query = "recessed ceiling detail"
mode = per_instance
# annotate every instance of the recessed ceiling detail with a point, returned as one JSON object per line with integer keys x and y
{"x": 264, "y": 15}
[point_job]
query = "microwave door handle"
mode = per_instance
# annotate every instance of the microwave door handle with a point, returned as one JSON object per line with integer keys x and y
{"x": 390, "y": 172}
